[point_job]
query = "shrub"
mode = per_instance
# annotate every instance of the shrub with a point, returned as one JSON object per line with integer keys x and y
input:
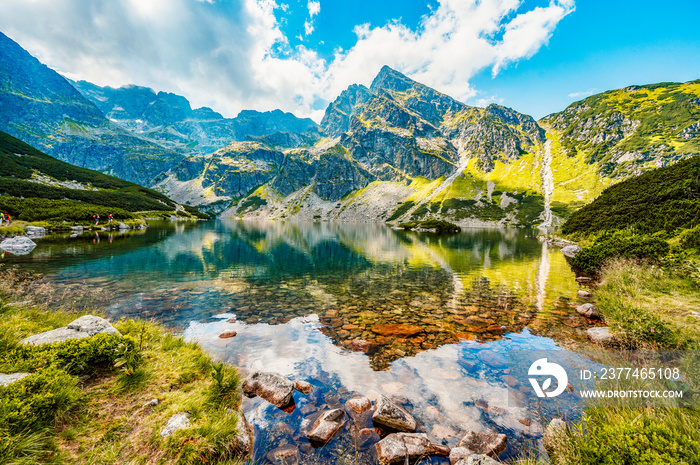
{"x": 690, "y": 238}
{"x": 625, "y": 244}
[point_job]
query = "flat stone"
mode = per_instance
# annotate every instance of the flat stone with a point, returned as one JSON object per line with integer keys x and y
{"x": 366, "y": 437}
{"x": 398, "y": 447}
{"x": 490, "y": 444}
{"x": 176, "y": 423}
{"x": 85, "y": 326}
{"x": 600, "y": 335}
{"x": 510, "y": 380}
{"x": 274, "y": 388}
{"x": 303, "y": 387}
{"x": 122, "y": 226}
{"x": 35, "y": 231}
{"x": 443, "y": 432}
{"x": 326, "y": 426}
{"x": 570, "y": 250}
{"x": 245, "y": 440}
{"x": 359, "y": 405}
{"x": 6, "y": 380}
{"x": 583, "y": 279}
{"x": 397, "y": 329}
{"x": 584, "y": 294}
{"x": 589, "y": 311}
{"x": 227, "y": 334}
{"x": 477, "y": 459}
{"x": 389, "y": 414}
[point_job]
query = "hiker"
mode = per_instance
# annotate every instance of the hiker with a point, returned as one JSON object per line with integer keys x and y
{"x": 2, "y": 219}
{"x": 6, "y": 217}
{"x": 110, "y": 218}
{"x": 96, "y": 217}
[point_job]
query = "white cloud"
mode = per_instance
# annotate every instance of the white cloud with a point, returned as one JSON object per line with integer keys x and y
{"x": 222, "y": 54}
{"x": 308, "y": 27}
{"x": 583, "y": 94}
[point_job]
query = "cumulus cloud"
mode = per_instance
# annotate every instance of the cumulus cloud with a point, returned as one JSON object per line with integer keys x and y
{"x": 233, "y": 55}
{"x": 583, "y": 94}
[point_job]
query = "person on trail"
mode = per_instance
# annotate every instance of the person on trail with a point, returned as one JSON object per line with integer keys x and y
{"x": 110, "y": 217}
{"x": 6, "y": 217}
{"x": 2, "y": 219}
{"x": 96, "y": 217}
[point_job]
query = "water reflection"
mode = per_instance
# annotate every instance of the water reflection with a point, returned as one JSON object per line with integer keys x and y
{"x": 355, "y": 309}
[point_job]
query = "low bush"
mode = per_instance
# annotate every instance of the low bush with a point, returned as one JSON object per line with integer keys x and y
{"x": 440, "y": 226}
{"x": 690, "y": 238}
{"x": 624, "y": 244}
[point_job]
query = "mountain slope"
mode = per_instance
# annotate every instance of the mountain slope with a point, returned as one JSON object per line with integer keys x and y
{"x": 31, "y": 180}
{"x": 40, "y": 107}
{"x": 168, "y": 120}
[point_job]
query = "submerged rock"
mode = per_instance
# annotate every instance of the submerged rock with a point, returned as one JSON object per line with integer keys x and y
{"x": 274, "y": 388}
{"x": 570, "y": 250}
{"x": 227, "y": 334}
{"x": 389, "y": 414}
{"x": 326, "y": 426}
{"x": 284, "y": 455}
{"x": 360, "y": 345}
{"x": 6, "y": 380}
{"x": 589, "y": 311}
{"x": 176, "y": 423}
{"x": 18, "y": 245}
{"x": 303, "y": 387}
{"x": 490, "y": 444}
{"x": 477, "y": 459}
{"x": 397, "y": 329}
{"x": 85, "y": 326}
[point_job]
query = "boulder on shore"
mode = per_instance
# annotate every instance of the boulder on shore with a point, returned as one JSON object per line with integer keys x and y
{"x": 389, "y": 414}
{"x": 85, "y": 326}
{"x": 6, "y": 380}
{"x": 18, "y": 245}
{"x": 273, "y": 387}
{"x": 175, "y": 423}
{"x": 570, "y": 250}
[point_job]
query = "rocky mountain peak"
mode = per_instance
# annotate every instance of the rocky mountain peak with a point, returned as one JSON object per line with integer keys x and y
{"x": 389, "y": 79}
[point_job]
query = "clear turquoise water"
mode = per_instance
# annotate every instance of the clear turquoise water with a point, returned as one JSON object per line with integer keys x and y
{"x": 298, "y": 295}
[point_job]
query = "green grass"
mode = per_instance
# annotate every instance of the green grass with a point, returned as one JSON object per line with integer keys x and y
{"x": 55, "y": 417}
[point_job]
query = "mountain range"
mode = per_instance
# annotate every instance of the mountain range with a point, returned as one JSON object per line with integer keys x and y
{"x": 395, "y": 151}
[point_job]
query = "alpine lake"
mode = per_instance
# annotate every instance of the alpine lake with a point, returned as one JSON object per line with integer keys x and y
{"x": 440, "y": 314}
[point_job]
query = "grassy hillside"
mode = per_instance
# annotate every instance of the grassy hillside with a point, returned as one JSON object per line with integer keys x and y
{"x": 665, "y": 199}
{"x": 37, "y": 187}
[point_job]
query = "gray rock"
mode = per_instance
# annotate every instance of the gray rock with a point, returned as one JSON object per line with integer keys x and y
{"x": 583, "y": 279}
{"x": 389, "y": 414}
{"x": 570, "y": 250}
{"x": 76, "y": 228}
{"x": 6, "y": 380}
{"x": 122, "y": 226}
{"x": 397, "y": 447}
{"x": 36, "y": 231}
{"x": 151, "y": 403}
{"x": 326, "y": 426}
{"x": 85, "y": 326}
{"x": 477, "y": 459}
{"x": 490, "y": 444}
{"x": 274, "y": 388}
{"x": 589, "y": 311}
{"x": 584, "y": 294}
{"x": 553, "y": 433}
{"x": 245, "y": 440}
{"x": 600, "y": 335}
{"x": 18, "y": 245}
{"x": 175, "y": 423}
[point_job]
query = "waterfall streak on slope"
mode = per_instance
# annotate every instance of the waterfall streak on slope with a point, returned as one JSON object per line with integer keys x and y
{"x": 547, "y": 184}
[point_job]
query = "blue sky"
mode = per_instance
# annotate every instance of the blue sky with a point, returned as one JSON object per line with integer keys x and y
{"x": 536, "y": 56}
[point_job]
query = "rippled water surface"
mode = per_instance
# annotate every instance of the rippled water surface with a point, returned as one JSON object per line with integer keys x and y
{"x": 440, "y": 312}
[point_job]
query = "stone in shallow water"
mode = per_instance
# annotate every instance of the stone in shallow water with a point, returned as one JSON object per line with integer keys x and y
{"x": 303, "y": 387}
{"x": 570, "y": 250}
{"x": 389, "y": 414}
{"x": 284, "y": 455}
{"x": 18, "y": 245}
{"x": 600, "y": 335}
{"x": 326, "y": 426}
{"x": 396, "y": 447}
{"x": 477, "y": 459}
{"x": 227, "y": 334}
{"x": 361, "y": 345}
{"x": 490, "y": 444}
{"x": 584, "y": 294}
{"x": 359, "y": 404}
{"x": 274, "y": 388}
{"x": 589, "y": 311}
